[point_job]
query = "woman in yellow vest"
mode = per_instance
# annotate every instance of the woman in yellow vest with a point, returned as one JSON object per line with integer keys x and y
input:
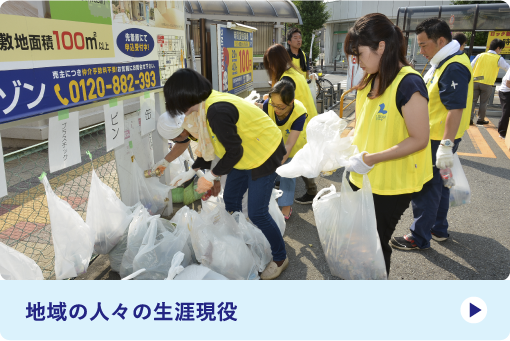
{"x": 279, "y": 66}
{"x": 289, "y": 114}
{"x": 392, "y": 123}
{"x": 250, "y": 148}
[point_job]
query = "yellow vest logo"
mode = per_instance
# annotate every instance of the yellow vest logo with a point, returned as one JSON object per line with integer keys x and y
{"x": 381, "y": 114}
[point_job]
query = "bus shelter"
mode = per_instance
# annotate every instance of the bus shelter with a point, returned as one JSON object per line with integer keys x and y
{"x": 461, "y": 18}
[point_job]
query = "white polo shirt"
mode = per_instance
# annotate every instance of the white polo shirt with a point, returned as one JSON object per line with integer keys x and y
{"x": 503, "y": 87}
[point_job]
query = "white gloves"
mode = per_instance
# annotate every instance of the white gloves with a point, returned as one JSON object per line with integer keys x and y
{"x": 163, "y": 163}
{"x": 182, "y": 178}
{"x": 314, "y": 75}
{"x": 444, "y": 156}
{"x": 357, "y": 165}
{"x": 206, "y": 182}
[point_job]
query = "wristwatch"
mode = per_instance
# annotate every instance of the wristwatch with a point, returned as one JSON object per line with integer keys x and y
{"x": 447, "y": 143}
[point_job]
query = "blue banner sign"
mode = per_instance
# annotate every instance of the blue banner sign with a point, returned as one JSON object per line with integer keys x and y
{"x": 32, "y": 92}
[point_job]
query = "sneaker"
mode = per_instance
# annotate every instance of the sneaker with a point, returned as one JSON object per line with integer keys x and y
{"x": 272, "y": 270}
{"x": 470, "y": 122}
{"x": 277, "y": 184}
{"x": 305, "y": 199}
{"x": 502, "y": 137}
{"x": 405, "y": 243}
{"x": 482, "y": 122}
{"x": 438, "y": 239}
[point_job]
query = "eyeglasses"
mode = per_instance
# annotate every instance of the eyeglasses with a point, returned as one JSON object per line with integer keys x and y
{"x": 278, "y": 108}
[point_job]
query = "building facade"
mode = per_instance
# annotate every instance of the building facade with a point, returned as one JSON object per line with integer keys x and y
{"x": 345, "y": 13}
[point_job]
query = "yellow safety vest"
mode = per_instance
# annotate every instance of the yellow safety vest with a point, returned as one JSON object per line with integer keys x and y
{"x": 297, "y": 63}
{"x": 297, "y": 112}
{"x": 437, "y": 111}
{"x": 380, "y": 126}
{"x": 302, "y": 93}
{"x": 260, "y": 135}
{"x": 486, "y": 68}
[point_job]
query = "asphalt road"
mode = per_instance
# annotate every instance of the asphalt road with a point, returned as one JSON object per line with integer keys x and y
{"x": 479, "y": 243}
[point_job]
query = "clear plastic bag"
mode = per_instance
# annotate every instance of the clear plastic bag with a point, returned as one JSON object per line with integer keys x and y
{"x": 115, "y": 255}
{"x": 256, "y": 241}
{"x": 16, "y": 266}
{"x": 348, "y": 231}
{"x": 107, "y": 215}
{"x": 275, "y": 212}
{"x": 73, "y": 239}
{"x": 252, "y": 97}
{"x": 219, "y": 244}
{"x": 274, "y": 209}
{"x": 325, "y": 150}
{"x": 460, "y": 193}
{"x": 153, "y": 195}
{"x": 136, "y": 231}
{"x": 191, "y": 272}
{"x": 158, "y": 248}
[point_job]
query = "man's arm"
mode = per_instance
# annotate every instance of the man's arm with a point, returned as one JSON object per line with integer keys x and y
{"x": 474, "y": 61}
{"x": 503, "y": 64}
{"x": 453, "y": 92}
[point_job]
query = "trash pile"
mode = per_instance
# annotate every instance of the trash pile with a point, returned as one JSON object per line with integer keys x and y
{"x": 141, "y": 244}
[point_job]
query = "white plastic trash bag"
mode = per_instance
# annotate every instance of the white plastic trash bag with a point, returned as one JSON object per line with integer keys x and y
{"x": 325, "y": 150}
{"x": 460, "y": 194}
{"x": 107, "y": 215}
{"x": 191, "y": 272}
{"x": 115, "y": 255}
{"x": 252, "y": 97}
{"x": 16, "y": 266}
{"x": 348, "y": 231}
{"x": 219, "y": 244}
{"x": 274, "y": 210}
{"x": 149, "y": 191}
{"x": 136, "y": 231}
{"x": 73, "y": 239}
{"x": 158, "y": 248}
{"x": 256, "y": 241}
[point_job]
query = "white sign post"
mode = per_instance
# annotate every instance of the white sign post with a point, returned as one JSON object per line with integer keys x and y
{"x": 64, "y": 140}
{"x": 114, "y": 124}
{"x": 147, "y": 113}
{"x": 3, "y": 183}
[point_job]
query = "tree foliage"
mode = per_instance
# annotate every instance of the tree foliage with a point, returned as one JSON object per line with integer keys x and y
{"x": 314, "y": 15}
{"x": 480, "y": 37}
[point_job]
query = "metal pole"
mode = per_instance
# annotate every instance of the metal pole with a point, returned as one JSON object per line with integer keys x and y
{"x": 203, "y": 48}
{"x": 334, "y": 65}
{"x": 473, "y": 32}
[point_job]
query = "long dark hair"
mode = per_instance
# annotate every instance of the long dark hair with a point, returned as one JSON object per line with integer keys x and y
{"x": 276, "y": 62}
{"x": 369, "y": 31}
{"x": 184, "y": 89}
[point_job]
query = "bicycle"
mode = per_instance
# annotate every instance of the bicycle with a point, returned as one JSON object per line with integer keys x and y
{"x": 323, "y": 85}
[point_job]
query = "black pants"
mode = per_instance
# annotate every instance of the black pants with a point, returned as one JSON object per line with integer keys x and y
{"x": 504, "y": 97}
{"x": 388, "y": 210}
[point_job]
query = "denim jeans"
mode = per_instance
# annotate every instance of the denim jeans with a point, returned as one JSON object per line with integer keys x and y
{"x": 431, "y": 204}
{"x": 259, "y": 194}
{"x": 288, "y": 186}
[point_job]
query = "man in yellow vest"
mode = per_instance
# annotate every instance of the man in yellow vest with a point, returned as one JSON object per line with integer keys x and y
{"x": 450, "y": 89}
{"x": 485, "y": 71}
{"x": 299, "y": 58}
